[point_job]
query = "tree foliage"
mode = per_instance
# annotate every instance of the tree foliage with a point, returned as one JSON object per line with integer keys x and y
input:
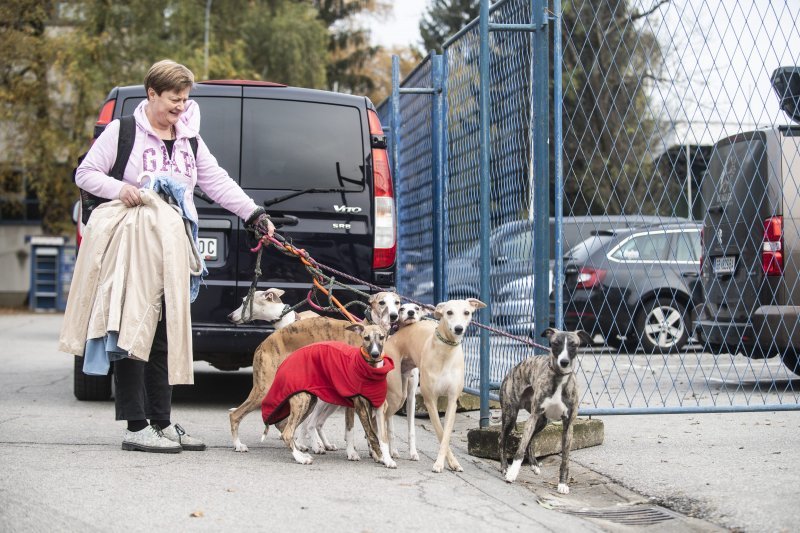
{"x": 609, "y": 61}
{"x": 60, "y": 59}
{"x": 444, "y": 18}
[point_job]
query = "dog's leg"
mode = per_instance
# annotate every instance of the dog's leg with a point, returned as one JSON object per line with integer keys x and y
{"x": 236, "y": 415}
{"x": 508, "y": 421}
{"x": 300, "y": 406}
{"x": 566, "y": 446}
{"x": 363, "y": 409}
{"x": 323, "y": 413}
{"x": 443, "y": 433}
{"x": 383, "y": 431}
{"x": 349, "y": 422}
{"x": 534, "y": 424}
{"x": 411, "y": 411}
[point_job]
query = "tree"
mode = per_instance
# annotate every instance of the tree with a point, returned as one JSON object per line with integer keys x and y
{"x": 609, "y": 60}
{"x": 444, "y": 18}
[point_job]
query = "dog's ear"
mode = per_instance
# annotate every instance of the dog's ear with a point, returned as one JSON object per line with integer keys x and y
{"x": 437, "y": 313}
{"x": 549, "y": 332}
{"x": 357, "y": 328}
{"x": 475, "y": 303}
{"x": 584, "y": 337}
{"x": 273, "y": 295}
{"x": 373, "y": 298}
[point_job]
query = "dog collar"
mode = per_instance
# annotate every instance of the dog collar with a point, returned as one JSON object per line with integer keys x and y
{"x": 448, "y": 342}
{"x": 369, "y": 359}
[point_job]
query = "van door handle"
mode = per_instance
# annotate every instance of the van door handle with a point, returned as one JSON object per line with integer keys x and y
{"x": 284, "y": 220}
{"x": 690, "y": 274}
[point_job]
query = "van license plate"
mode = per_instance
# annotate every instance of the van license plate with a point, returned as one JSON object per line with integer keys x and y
{"x": 724, "y": 265}
{"x": 207, "y": 246}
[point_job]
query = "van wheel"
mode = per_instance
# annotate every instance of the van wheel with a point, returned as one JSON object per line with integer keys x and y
{"x": 90, "y": 388}
{"x": 661, "y": 326}
{"x": 791, "y": 361}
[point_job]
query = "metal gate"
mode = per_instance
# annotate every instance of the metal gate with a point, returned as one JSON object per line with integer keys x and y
{"x": 651, "y": 184}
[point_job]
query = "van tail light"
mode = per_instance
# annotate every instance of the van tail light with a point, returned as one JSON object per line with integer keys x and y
{"x": 106, "y": 113}
{"x": 772, "y": 248}
{"x": 589, "y": 278}
{"x": 384, "y": 251}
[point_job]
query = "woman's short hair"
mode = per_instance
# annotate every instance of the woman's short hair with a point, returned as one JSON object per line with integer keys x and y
{"x": 167, "y": 75}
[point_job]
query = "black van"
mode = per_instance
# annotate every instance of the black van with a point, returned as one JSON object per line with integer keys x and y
{"x": 317, "y": 161}
{"x": 751, "y": 238}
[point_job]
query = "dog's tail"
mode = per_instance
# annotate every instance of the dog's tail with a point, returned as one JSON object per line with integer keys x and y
{"x": 264, "y": 435}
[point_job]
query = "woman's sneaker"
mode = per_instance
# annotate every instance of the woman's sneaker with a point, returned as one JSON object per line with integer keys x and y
{"x": 149, "y": 439}
{"x": 176, "y": 433}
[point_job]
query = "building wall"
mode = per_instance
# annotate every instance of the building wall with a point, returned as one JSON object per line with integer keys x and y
{"x": 15, "y": 263}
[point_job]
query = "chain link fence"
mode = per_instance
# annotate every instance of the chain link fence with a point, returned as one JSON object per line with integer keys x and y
{"x": 681, "y": 205}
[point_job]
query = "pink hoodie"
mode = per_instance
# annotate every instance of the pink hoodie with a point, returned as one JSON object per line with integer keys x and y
{"x": 150, "y": 155}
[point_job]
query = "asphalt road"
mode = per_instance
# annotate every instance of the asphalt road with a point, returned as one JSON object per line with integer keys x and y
{"x": 63, "y": 469}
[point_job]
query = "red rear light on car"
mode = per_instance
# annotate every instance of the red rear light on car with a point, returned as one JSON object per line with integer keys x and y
{"x": 772, "y": 248}
{"x": 385, "y": 247}
{"x": 106, "y": 113}
{"x": 588, "y": 277}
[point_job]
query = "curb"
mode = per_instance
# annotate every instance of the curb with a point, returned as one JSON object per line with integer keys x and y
{"x": 484, "y": 442}
{"x": 466, "y": 402}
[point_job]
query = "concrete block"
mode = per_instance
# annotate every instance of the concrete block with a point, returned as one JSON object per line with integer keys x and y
{"x": 484, "y": 442}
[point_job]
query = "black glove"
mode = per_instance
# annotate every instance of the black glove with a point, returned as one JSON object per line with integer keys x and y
{"x": 259, "y": 223}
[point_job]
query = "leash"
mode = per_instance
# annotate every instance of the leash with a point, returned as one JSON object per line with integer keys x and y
{"x": 315, "y": 268}
{"x": 321, "y": 282}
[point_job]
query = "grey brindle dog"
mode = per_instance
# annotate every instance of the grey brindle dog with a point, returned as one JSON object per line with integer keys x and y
{"x": 546, "y": 387}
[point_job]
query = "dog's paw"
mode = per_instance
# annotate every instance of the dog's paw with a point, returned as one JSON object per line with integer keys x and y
{"x": 438, "y": 466}
{"x": 413, "y": 456}
{"x": 352, "y": 455}
{"x": 389, "y": 463}
{"x": 563, "y": 488}
{"x": 536, "y": 469}
{"x": 331, "y": 447}
{"x": 302, "y": 458}
{"x": 455, "y": 467}
{"x": 240, "y": 447}
{"x": 513, "y": 470}
{"x": 301, "y": 446}
{"x": 395, "y": 453}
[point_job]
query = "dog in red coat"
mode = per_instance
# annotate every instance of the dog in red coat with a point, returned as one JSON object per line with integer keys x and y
{"x": 337, "y": 373}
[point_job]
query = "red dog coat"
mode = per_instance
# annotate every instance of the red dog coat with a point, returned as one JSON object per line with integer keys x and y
{"x": 332, "y": 371}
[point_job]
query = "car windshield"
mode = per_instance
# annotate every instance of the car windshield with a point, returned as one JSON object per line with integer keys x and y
{"x": 581, "y": 251}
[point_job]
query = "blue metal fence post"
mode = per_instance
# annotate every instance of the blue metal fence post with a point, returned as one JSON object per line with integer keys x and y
{"x": 445, "y": 173}
{"x": 438, "y": 177}
{"x": 395, "y": 118}
{"x": 541, "y": 168}
{"x": 485, "y": 213}
{"x": 558, "y": 148}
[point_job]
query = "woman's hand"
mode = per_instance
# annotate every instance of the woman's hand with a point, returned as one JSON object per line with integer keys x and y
{"x": 259, "y": 223}
{"x": 130, "y": 195}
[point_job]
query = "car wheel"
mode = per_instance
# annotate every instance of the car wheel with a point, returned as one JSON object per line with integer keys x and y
{"x": 661, "y": 326}
{"x": 791, "y": 361}
{"x": 90, "y": 388}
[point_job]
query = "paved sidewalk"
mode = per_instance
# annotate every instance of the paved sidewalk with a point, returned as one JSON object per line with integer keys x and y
{"x": 63, "y": 468}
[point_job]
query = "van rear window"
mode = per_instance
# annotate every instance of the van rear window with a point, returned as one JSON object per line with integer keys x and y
{"x": 219, "y": 127}
{"x": 300, "y": 145}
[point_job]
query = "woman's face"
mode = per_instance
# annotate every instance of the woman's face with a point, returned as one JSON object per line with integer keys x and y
{"x": 166, "y": 108}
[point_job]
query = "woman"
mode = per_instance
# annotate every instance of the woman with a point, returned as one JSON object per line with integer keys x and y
{"x": 165, "y": 123}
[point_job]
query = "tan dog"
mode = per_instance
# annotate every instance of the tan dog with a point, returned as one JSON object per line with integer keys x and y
{"x": 435, "y": 348}
{"x": 275, "y": 348}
